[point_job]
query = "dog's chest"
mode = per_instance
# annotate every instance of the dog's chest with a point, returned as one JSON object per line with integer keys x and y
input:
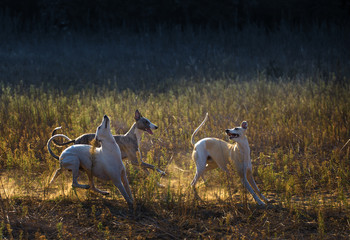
{"x": 127, "y": 145}
{"x": 239, "y": 155}
{"x": 138, "y": 135}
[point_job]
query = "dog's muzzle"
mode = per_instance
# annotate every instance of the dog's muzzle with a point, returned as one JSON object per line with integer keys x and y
{"x": 149, "y": 130}
{"x": 105, "y": 117}
{"x": 231, "y": 135}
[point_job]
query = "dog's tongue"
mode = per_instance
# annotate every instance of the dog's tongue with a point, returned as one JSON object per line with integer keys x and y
{"x": 149, "y": 131}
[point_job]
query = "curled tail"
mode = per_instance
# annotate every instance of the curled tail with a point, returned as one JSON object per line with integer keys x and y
{"x": 52, "y": 139}
{"x": 58, "y": 143}
{"x": 195, "y": 131}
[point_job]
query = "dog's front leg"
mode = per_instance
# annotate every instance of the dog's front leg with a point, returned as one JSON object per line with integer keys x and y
{"x": 118, "y": 183}
{"x": 253, "y": 184}
{"x": 134, "y": 161}
{"x": 249, "y": 188}
{"x": 145, "y": 165}
{"x": 126, "y": 183}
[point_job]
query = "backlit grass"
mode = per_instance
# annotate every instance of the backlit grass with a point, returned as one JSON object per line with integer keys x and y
{"x": 297, "y": 132}
{"x": 291, "y": 85}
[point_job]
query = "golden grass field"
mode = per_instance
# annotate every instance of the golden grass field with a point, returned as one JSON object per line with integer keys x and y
{"x": 297, "y": 132}
{"x": 291, "y": 83}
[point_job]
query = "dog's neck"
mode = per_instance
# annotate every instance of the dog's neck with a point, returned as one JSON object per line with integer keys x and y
{"x": 138, "y": 134}
{"x": 135, "y": 133}
{"x": 243, "y": 147}
{"x": 109, "y": 144}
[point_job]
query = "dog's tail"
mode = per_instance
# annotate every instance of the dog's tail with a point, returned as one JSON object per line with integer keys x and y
{"x": 52, "y": 139}
{"x": 58, "y": 143}
{"x": 195, "y": 131}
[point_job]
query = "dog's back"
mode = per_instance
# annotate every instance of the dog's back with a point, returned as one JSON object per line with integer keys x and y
{"x": 125, "y": 144}
{"x": 85, "y": 138}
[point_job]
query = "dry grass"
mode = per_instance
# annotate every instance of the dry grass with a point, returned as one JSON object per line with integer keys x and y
{"x": 296, "y": 101}
{"x": 297, "y": 131}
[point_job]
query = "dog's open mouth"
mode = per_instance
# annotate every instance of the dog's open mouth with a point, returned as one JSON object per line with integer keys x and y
{"x": 149, "y": 130}
{"x": 233, "y": 135}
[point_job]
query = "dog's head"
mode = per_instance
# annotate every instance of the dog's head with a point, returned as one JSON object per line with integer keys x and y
{"x": 237, "y": 133}
{"x": 143, "y": 123}
{"x": 104, "y": 130}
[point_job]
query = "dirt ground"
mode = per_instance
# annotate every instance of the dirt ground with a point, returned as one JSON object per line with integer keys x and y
{"x": 104, "y": 219}
{"x": 63, "y": 213}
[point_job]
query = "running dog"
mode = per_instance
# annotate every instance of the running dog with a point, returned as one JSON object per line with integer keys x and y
{"x": 210, "y": 153}
{"x": 128, "y": 143}
{"x": 104, "y": 162}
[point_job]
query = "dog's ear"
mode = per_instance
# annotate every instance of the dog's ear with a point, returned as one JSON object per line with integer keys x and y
{"x": 137, "y": 115}
{"x": 244, "y": 124}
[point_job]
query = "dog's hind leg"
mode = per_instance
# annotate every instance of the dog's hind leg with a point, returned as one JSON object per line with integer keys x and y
{"x": 72, "y": 162}
{"x": 200, "y": 161}
{"x": 210, "y": 165}
{"x": 58, "y": 172}
{"x": 253, "y": 184}
{"x": 249, "y": 188}
{"x": 75, "y": 183}
{"x": 92, "y": 184}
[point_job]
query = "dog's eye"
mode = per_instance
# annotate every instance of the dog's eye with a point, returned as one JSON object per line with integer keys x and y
{"x": 99, "y": 127}
{"x": 236, "y": 129}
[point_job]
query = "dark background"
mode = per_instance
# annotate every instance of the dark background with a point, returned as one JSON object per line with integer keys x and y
{"x": 82, "y": 15}
{"x": 155, "y": 44}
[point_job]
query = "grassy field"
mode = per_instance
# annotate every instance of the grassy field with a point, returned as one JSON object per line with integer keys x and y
{"x": 297, "y": 107}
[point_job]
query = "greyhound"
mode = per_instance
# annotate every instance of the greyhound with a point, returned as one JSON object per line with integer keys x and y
{"x": 104, "y": 162}
{"x": 210, "y": 153}
{"x": 128, "y": 143}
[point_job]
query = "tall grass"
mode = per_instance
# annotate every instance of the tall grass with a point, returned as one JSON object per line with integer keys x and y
{"x": 294, "y": 93}
{"x": 296, "y": 129}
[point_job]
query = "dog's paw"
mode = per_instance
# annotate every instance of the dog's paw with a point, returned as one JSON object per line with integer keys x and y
{"x": 162, "y": 173}
{"x": 101, "y": 192}
{"x": 261, "y": 206}
{"x": 80, "y": 186}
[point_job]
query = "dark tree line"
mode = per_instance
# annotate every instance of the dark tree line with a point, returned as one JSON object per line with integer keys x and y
{"x": 139, "y": 14}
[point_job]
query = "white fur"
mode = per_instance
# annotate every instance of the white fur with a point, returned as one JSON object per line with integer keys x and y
{"x": 106, "y": 162}
{"x": 210, "y": 153}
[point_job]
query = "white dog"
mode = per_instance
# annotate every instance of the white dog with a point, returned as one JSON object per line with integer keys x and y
{"x": 210, "y": 153}
{"x": 104, "y": 162}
